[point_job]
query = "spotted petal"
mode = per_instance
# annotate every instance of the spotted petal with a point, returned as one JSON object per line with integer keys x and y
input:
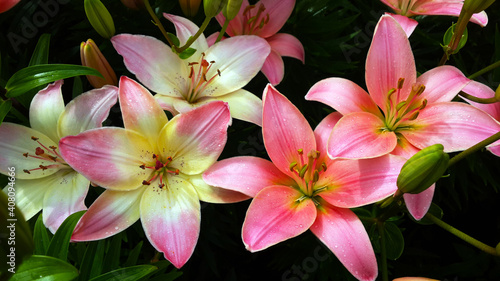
{"x": 109, "y": 157}
{"x": 171, "y": 219}
{"x": 45, "y": 109}
{"x": 112, "y": 212}
{"x": 275, "y": 215}
{"x": 344, "y": 234}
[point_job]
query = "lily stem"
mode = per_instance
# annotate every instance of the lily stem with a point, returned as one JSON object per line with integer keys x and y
{"x": 474, "y": 148}
{"x": 157, "y": 21}
{"x": 474, "y": 242}
{"x": 484, "y": 70}
{"x": 223, "y": 30}
{"x": 478, "y": 100}
{"x": 194, "y": 37}
{"x": 383, "y": 250}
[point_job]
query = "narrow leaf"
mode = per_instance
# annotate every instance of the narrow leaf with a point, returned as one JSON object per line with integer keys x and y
{"x": 41, "y": 53}
{"x": 126, "y": 274}
{"x": 40, "y": 237}
{"x": 134, "y": 255}
{"x": 58, "y": 247}
{"x": 110, "y": 260}
{"x": 37, "y": 75}
{"x": 5, "y": 106}
{"x": 92, "y": 260}
{"x": 44, "y": 268}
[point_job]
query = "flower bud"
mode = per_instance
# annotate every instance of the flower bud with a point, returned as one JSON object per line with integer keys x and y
{"x": 100, "y": 18}
{"x": 477, "y": 6}
{"x": 231, "y": 9}
{"x": 423, "y": 169}
{"x": 448, "y": 36}
{"x": 92, "y": 57}
{"x": 133, "y": 4}
{"x": 7, "y": 5}
{"x": 213, "y": 7}
{"x": 190, "y": 7}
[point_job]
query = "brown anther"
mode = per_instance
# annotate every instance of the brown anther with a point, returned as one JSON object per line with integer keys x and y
{"x": 34, "y": 138}
{"x": 218, "y": 72}
{"x": 53, "y": 158}
{"x": 169, "y": 158}
{"x": 424, "y": 104}
{"x": 154, "y": 156}
{"x": 161, "y": 185}
{"x": 39, "y": 151}
{"x": 43, "y": 167}
{"x": 248, "y": 8}
{"x": 413, "y": 116}
{"x": 323, "y": 166}
{"x": 53, "y": 147}
{"x": 192, "y": 63}
{"x": 146, "y": 182}
{"x": 177, "y": 171}
{"x": 401, "y": 81}
{"x": 142, "y": 166}
{"x": 212, "y": 61}
{"x": 300, "y": 151}
{"x": 316, "y": 176}
{"x": 25, "y": 154}
{"x": 26, "y": 171}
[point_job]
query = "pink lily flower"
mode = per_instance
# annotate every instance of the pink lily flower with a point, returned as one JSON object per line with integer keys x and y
{"x": 493, "y": 109}
{"x": 265, "y": 19}
{"x": 6, "y": 5}
{"x": 303, "y": 189}
{"x": 410, "y": 8}
{"x": 151, "y": 170}
{"x": 44, "y": 180}
{"x": 212, "y": 73}
{"x": 401, "y": 113}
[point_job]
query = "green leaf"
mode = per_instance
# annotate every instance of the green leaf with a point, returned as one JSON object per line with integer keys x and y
{"x": 44, "y": 268}
{"x": 58, "y": 247}
{"x": 394, "y": 241}
{"x": 41, "y": 53}
{"x": 187, "y": 53}
{"x": 126, "y": 274}
{"x": 134, "y": 255}
{"x": 100, "y": 18}
{"x": 5, "y": 106}
{"x": 92, "y": 260}
{"x": 110, "y": 260}
{"x": 174, "y": 39}
{"x": 37, "y": 75}
{"x": 77, "y": 87}
{"x": 40, "y": 237}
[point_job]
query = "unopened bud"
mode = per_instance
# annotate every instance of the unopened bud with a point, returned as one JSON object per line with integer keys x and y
{"x": 100, "y": 18}
{"x": 231, "y": 9}
{"x": 448, "y": 35}
{"x": 423, "y": 169}
{"x": 190, "y": 7}
{"x": 133, "y": 4}
{"x": 213, "y": 7}
{"x": 92, "y": 57}
{"x": 476, "y": 6}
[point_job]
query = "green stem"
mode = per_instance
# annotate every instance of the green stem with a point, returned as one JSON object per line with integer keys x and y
{"x": 383, "y": 250}
{"x": 463, "y": 20}
{"x": 194, "y": 37}
{"x": 157, "y": 21}
{"x": 478, "y": 100}
{"x": 474, "y": 148}
{"x": 484, "y": 70}
{"x": 222, "y": 31}
{"x": 474, "y": 242}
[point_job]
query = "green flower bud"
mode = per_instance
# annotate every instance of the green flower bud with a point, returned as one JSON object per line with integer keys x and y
{"x": 213, "y": 7}
{"x": 423, "y": 169}
{"x": 231, "y": 9}
{"x": 477, "y": 6}
{"x": 100, "y": 18}
{"x": 449, "y": 34}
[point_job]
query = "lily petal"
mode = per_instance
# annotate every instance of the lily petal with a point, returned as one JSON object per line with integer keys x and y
{"x": 342, "y": 95}
{"x": 389, "y": 58}
{"x": 323, "y": 131}
{"x": 285, "y": 130}
{"x": 447, "y": 9}
{"x": 355, "y": 183}
{"x": 287, "y": 45}
{"x": 171, "y": 219}
{"x": 87, "y": 111}
{"x": 184, "y": 29}
{"x": 235, "y": 26}
{"x": 274, "y": 68}
{"x": 495, "y": 150}
{"x": 154, "y": 63}
{"x": 141, "y": 112}
{"x": 457, "y": 126}
{"x": 482, "y": 91}
{"x": 15, "y": 141}
{"x": 109, "y": 157}
{"x": 406, "y": 23}
{"x": 167, "y": 103}
{"x": 244, "y": 105}
{"x": 195, "y": 139}
{"x": 442, "y": 83}
{"x": 45, "y": 109}
{"x": 360, "y": 135}
{"x": 275, "y": 215}
{"x": 213, "y": 194}
{"x": 245, "y": 174}
{"x": 112, "y": 212}
{"x": 238, "y": 60}
{"x": 419, "y": 204}
{"x": 278, "y": 11}
{"x": 344, "y": 234}
{"x": 65, "y": 196}
{"x": 29, "y": 195}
